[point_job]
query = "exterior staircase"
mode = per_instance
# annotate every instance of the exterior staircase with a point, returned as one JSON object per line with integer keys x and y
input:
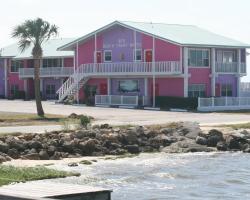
{"x": 71, "y": 86}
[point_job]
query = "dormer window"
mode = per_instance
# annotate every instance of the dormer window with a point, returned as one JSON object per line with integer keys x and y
{"x": 107, "y": 56}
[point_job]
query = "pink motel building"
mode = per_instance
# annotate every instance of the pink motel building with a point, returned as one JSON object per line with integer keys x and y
{"x": 132, "y": 63}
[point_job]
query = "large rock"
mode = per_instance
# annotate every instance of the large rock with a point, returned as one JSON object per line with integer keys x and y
{"x": 129, "y": 137}
{"x": 44, "y": 155}
{"x": 88, "y": 147}
{"x": 32, "y": 156}
{"x": 35, "y": 144}
{"x": 185, "y": 146}
{"x": 213, "y": 137}
{"x": 134, "y": 149}
{"x": 222, "y": 146}
{"x": 2, "y": 159}
{"x": 13, "y": 153}
{"x": 201, "y": 140}
{"x": 85, "y": 133}
{"x": 16, "y": 143}
{"x": 159, "y": 140}
{"x": 4, "y": 147}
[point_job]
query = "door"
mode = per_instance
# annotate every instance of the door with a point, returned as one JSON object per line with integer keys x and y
{"x": 217, "y": 90}
{"x": 103, "y": 89}
{"x": 148, "y": 55}
{"x": 98, "y": 57}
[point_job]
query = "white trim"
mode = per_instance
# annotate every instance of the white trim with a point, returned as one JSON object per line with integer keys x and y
{"x": 213, "y": 70}
{"x": 134, "y": 55}
{"x": 95, "y": 60}
{"x": 109, "y": 86}
{"x": 6, "y": 78}
{"x": 153, "y": 62}
{"x": 146, "y": 87}
{"x": 104, "y": 56}
{"x": 185, "y": 66}
{"x": 201, "y": 49}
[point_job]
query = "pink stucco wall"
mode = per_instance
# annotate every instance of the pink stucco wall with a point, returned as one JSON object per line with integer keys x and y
{"x": 200, "y": 76}
{"x": 164, "y": 51}
{"x": 94, "y": 82}
{"x": 168, "y": 86}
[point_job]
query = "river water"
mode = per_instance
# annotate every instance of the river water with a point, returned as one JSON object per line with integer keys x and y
{"x": 156, "y": 176}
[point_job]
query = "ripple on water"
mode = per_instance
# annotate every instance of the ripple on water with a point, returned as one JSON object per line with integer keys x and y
{"x": 192, "y": 176}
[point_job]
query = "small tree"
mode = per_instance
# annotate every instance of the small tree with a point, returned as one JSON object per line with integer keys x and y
{"x": 35, "y": 32}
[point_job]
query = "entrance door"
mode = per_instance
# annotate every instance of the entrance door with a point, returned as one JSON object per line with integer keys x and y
{"x": 148, "y": 55}
{"x": 98, "y": 57}
{"x": 103, "y": 89}
{"x": 217, "y": 90}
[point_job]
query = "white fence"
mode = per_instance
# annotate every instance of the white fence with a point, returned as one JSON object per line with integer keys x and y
{"x": 47, "y": 72}
{"x": 134, "y": 68}
{"x": 116, "y": 100}
{"x": 230, "y": 67}
{"x": 223, "y": 103}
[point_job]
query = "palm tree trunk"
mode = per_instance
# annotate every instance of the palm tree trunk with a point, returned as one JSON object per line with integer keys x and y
{"x": 39, "y": 106}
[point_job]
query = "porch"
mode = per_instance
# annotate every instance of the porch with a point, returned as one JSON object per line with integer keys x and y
{"x": 46, "y": 72}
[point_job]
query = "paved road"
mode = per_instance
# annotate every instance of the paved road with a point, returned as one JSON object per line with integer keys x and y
{"x": 125, "y": 116}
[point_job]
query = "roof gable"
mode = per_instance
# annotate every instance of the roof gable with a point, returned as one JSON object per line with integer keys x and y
{"x": 186, "y": 35}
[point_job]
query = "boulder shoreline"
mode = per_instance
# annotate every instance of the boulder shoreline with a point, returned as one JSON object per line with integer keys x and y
{"x": 181, "y": 137}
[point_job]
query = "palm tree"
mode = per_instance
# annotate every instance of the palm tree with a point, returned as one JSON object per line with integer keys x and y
{"x": 35, "y": 32}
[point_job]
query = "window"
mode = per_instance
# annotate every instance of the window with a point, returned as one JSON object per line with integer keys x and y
{"x": 226, "y": 56}
{"x": 14, "y": 89}
{"x": 226, "y": 90}
{"x": 50, "y": 89}
{"x": 198, "y": 57}
{"x": 137, "y": 54}
{"x": 129, "y": 86}
{"x": 15, "y": 65}
{"x": 108, "y": 56}
{"x": 196, "y": 90}
{"x": 52, "y": 63}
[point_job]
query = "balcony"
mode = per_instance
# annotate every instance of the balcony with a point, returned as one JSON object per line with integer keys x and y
{"x": 230, "y": 68}
{"x": 47, "y": 72}
{"x": 131, "y": 68}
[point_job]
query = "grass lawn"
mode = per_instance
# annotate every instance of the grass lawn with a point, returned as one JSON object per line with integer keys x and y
{"x": 11, "y": 174}
{"x": 23, "y": 119}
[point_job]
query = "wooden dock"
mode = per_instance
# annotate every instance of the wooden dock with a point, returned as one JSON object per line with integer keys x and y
{"x": 48, "y": 191}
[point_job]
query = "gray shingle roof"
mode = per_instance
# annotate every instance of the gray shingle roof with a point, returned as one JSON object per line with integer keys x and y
{"x": 49, "y": 50}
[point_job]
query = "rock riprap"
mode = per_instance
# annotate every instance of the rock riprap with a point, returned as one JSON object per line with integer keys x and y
{"x": 103, "y": 140}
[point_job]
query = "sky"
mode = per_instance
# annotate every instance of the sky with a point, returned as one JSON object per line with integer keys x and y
{"x": 76, "y": 18}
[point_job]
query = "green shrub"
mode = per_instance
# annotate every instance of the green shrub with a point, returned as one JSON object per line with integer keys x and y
{"x": 167, "y": 102}
{"x": 84, "y": 121}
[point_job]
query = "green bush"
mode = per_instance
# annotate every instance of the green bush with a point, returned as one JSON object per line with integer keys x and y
{"x": 84, "y": 121}
{"x": 167, "y": 102}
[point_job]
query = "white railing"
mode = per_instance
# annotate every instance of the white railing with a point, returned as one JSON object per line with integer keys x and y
{"x": 245, "y": 89}
{"x": 126, "y": 68}
{"x": 47, "y": 72}
{"x": 230, "y": 67}
{"x": 223, "y": 103}
{"x": 116, "y": 100}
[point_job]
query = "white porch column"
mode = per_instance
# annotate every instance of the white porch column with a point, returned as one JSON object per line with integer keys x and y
{"x": 153, "y": 59}
{"x": 185, "y": 66}
{"x": 6, "y": 78}
{"x": 95, "y": 58}
{"x": 77, "y": 65}
{"x": 109, "y": 85}
{"x": 145, "y": 87}
{"x": 213, "y": 72}
{"x": 238, "y": 71}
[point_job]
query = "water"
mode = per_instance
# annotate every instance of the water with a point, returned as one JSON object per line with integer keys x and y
{"x": 203, "y": 176}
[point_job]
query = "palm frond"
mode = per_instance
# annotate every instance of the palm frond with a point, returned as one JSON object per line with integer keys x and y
{"x": 24, "y": 44}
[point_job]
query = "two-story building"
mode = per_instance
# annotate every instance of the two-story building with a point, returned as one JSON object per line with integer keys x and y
{"x": 17, "y": 70}
{"x": 127, "y": 61}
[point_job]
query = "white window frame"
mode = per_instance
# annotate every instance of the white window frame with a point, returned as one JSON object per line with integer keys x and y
{"x": 201, "y": 49}
{"x": 18, "y": 66}
{"x": 134, "y": 55}
{"x": 104, "y": 57}
{"x": 198, "y": 85}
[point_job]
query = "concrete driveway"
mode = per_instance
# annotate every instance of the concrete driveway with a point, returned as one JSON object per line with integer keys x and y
{"x": 117, "y": 116}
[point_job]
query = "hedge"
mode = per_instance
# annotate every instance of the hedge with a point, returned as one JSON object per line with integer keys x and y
{"x": 167, "y": 102}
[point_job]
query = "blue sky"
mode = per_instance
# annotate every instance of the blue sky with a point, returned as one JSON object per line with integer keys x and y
{"x": 78, "y": 17}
